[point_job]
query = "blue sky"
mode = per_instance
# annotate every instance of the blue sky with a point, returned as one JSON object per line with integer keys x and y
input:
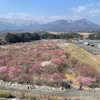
{"x": 49, "y": 10}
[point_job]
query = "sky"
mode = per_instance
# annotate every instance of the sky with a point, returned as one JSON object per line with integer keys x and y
{"x": 50, "y": 10}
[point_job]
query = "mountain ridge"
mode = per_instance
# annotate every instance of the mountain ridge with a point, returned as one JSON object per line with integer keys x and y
{"x": 58, "y": 25}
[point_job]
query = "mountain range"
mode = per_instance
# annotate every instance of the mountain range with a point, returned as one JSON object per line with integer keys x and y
{"x": 57, "y": 26}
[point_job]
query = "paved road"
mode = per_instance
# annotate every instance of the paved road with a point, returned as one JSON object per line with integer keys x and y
{"x": 86, "y": 94}
{"x": 93, "y": 50}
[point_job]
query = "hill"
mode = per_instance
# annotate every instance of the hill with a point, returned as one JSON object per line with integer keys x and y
{"x": 41, "y": 62}
{"x": 83, "y": 55}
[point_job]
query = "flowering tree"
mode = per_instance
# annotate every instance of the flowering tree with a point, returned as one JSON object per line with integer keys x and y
{"x": 36, "y": 68}
{"x": 56, "y": 78}
{"x": 61, "y": 52}
{"x": 4, "y": 73}
{"x": 14, "y": 72}
{"x": 3, "y": 69}
{"x": 85, "y": 80}
{"x": 57, "y": 61}
{"x": 88, "y": 80}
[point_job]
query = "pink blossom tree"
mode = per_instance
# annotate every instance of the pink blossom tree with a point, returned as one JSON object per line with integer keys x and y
{"x": 56, "y": 61}
{"x": 88, "y": 80}
{"x": 4, "y": 73}
{"x": 85, "y": 80}
{"x": 14, "y": 72}
{"x": 3, "y": 69}
{"x": 61, "y": 52}
{"x": 36, "y": 68}
{"x": 56, "y": 78}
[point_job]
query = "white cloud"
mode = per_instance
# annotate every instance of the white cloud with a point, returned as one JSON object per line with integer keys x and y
{"x": 52, "y": 18}
{"x": 95, "y": 11}
{"x": 91, "y": 8}
{"x": 79, "y": 9}
{"x": 17, "y": 16}
{"x": 42, "y": 18}
{"x": 24, "y": 16}
{"x": 65, "y": 17}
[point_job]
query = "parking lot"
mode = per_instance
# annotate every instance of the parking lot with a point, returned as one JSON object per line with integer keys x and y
{"x": 94, "y": 50}
{"x": 91, "y": 46}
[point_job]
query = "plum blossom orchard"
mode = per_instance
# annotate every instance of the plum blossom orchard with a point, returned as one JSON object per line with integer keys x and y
{"x": 40, "y": 62}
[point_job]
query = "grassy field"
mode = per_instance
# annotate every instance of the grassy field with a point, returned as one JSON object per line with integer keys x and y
{"x": 83, "y": 55}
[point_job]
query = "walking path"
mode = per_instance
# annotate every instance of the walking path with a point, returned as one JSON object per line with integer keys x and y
{"x": 73, "y": 93}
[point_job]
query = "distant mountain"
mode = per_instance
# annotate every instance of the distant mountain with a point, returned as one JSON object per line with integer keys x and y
{"x": 59, "y": 25}
{"x": 16, "y": 24}
{"x": 70, "y": 25}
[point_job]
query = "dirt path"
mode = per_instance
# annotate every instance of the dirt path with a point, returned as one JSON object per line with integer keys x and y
{"x": 84, "y": 94}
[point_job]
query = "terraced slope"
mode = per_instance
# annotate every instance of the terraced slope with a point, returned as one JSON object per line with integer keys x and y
{"x": 83, "y": 55}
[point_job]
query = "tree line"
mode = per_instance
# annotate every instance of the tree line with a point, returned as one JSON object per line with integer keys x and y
{"x": 28, "y": 37}
{"x": 18, "y": 37}
{"x": 94, "y": 36}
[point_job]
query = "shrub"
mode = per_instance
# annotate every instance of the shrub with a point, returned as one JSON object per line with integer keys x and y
{"x": 20, "y": 95}
{"x": 50, "y": 69}
{"x": 5, "y": 95}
